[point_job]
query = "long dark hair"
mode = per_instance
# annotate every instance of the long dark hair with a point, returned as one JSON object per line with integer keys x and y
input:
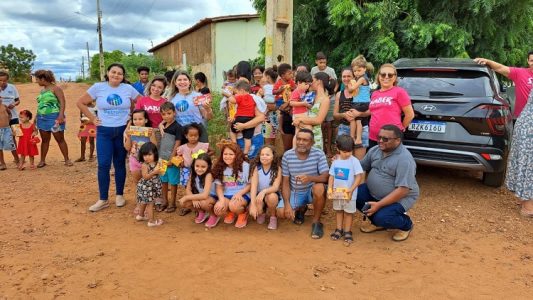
{"x": 256, "y": 163}
{"x": 327, "y": 82}
{"x": 205, "y": 157}
{"x": 148, "y": 122}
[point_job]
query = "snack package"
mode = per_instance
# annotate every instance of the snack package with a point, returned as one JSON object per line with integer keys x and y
{"x": 339, "y": 194}
{"x": 163, "y": 164}
{"x": 232, "y": 110}
{"x": 139, "y": 131}
{"x": 177, "y": 160}
{"x": 286, "y": 94}
{"x": 202, "y": 100}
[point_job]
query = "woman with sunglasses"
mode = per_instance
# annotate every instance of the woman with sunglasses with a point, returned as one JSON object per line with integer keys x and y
{"x": 388, "y": 103}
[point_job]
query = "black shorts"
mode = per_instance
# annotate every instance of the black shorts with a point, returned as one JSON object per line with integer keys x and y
{"x": 246, "y": 133}
{"x": 286, "y": 123}
{"x": 13, "y": 121}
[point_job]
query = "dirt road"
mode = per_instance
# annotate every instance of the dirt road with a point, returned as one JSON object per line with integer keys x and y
{"x": 468, "y": 242}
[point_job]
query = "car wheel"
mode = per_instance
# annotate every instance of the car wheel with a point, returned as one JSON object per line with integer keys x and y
{"x": 494, "y": 179}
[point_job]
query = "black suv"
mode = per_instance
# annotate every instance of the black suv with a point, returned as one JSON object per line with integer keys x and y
{"x": 462, "y": 116}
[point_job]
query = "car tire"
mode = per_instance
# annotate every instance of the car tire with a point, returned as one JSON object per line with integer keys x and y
{"x": 493, "y": 179}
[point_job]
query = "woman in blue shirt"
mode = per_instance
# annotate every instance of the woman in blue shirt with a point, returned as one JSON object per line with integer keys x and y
{"x": 187, "y": 111}
{"x": 114, "y": 102}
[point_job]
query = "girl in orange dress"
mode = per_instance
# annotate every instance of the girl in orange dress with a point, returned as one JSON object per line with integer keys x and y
{"x": 27, "y": 145}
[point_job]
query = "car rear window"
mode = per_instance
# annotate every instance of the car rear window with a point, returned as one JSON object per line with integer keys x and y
{"x": 446, "y": 83}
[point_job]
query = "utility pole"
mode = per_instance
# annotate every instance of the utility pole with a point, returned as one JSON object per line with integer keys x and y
{"x": 83, "y": 67}
{"x": 88, "y": 62}
{"x": 100, "y": 46}
{"x": 132, "y": 49}
{"x": 278, "y": 39}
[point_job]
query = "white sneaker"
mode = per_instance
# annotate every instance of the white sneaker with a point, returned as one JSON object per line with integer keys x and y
{"x": 120, "y": 201}
{"x": 99, "y": 205}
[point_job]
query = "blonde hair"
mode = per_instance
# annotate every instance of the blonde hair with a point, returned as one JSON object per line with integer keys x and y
{"x": 388, "y": 66}
{"x": 361, "y": 62}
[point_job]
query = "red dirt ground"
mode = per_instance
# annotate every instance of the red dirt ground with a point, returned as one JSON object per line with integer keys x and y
{"x": 469, "y": 242}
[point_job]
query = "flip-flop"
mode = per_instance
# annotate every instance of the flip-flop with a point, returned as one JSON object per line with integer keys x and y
{"x": 299, "y": 216}
{"x": 68, "y": 163}
{"x": 41, "y": 165}
{"x": 79, "y": 159}
{"x": 317, "y": 230}
{"x": 3, "y": 167}
{"x": 159, "y": 207}
{"x": 32, "y": 167}
{"x": 184, "y": 211}
{"x": 170, "y": 209}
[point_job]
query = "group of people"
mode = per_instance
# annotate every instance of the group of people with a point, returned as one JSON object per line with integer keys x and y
{"x": 159, "y": 128}
{"x": 250, "y": 177}
{"x": 49, "y": 121}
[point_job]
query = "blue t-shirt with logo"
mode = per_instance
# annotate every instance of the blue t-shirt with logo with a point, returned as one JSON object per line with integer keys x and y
{"x": 233, "y": 185}
{"x": 186, "y": 111}
{"x": 113, "y": 103}
{"x": 344, "y": 172}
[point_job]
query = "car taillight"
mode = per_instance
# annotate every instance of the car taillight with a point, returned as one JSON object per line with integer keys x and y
{"x": 496, "y": 119}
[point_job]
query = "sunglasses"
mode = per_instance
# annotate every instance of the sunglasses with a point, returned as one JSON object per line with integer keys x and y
{"x": 387, "y": 75}
{"x": 386, "y": 139}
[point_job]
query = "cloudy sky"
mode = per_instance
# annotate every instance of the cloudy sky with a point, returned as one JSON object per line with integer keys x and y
{"x": 57, "y": 30}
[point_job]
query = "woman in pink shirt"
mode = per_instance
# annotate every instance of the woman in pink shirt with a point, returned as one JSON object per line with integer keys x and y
{"x": 153, "y": 101}
{"x": 388, "y": 103}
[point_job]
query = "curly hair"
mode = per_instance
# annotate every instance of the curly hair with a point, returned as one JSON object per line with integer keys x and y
{"x": 205, "y": 157}
{"x": 256, "y": 163}
{"x": 220, "y": 165}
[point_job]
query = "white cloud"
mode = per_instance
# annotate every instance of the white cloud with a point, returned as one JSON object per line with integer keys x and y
{"x": 58, "y": 35}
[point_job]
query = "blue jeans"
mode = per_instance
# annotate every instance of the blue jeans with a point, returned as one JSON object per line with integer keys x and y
{"x": 391, "y": 216}
{"x": 110, "y": 148}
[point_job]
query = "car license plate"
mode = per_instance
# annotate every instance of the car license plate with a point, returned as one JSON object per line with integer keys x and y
{"x": 428, "y": 126}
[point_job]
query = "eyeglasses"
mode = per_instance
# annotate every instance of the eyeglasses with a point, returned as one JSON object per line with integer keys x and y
{"x": 385, "y": 139}
{"x": 387, "y": 75}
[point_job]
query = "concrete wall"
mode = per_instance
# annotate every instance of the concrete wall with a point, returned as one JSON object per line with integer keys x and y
{"x": 234, "y": 41}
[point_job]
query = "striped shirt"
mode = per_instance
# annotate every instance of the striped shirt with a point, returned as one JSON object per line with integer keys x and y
{"x": 315, "y": 164}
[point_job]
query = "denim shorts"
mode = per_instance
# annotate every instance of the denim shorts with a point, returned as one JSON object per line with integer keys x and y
{"x": 46, "y": 122}
{"x": 6, "y": 139}
{"x": 345, "y": 129}
{"x": 298, "y": 198}
{"x": 171, "y": 176}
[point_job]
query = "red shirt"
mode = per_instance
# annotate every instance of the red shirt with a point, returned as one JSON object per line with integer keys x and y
{"x": 152, "y": 108}
{"x": 279, "y": 83}
{"x": 245, "y": 106}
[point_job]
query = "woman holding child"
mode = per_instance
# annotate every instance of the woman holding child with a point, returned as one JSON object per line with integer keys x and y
{"x": 114, "y": 101}
{"x": 324, "y": 86}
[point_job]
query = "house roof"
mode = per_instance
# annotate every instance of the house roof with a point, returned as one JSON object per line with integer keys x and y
{"x": 200, "y": 24}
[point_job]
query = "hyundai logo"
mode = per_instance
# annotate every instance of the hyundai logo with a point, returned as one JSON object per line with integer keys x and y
{"x": 429, "y": 107}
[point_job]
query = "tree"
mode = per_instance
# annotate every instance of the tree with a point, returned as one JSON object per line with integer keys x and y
{"x": 18, "y": 61}
{"x": 384, "y": 31}
{"x": 130, "y": 62}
